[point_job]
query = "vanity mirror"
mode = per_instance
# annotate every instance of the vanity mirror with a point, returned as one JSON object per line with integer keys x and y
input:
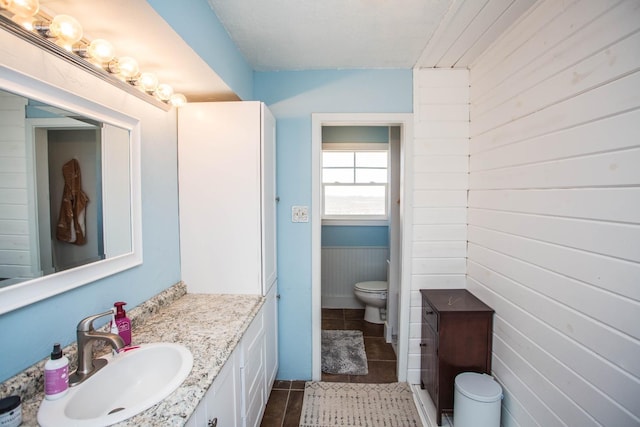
{"x": 69, "y": 191}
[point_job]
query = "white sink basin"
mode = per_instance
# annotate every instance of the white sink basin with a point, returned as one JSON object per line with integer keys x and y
{"x": 132, "y": 381}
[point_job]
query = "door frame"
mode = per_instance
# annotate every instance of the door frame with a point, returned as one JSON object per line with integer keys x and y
{"x": 405, "y": 122}
{"x": 39, "y": 213}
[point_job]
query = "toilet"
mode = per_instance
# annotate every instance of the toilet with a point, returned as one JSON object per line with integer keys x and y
{"x": 374, "y": 296}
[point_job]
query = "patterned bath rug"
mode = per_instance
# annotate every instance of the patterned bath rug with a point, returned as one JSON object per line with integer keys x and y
{"x": 343, "y": 353}
{"x": 328, "y": 404}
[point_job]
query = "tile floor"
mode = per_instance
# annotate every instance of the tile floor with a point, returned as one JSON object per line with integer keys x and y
{"x": 285, "y": 402}
{"x": 285, "y": 405}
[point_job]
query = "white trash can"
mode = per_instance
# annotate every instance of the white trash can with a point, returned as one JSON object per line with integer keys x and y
{"x": 476, "y": 401}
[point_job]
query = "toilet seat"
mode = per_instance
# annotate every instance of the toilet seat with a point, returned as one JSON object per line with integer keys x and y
{"x": 373, "y": 287}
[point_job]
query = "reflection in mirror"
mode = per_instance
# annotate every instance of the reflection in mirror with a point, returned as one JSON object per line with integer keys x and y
{"x": 47, "y": 80}
{"x": 65, "y": 190}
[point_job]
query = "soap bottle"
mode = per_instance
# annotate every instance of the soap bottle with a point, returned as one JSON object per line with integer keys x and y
{"x": 123, "y": 323}
{"x": 56, "y": 374}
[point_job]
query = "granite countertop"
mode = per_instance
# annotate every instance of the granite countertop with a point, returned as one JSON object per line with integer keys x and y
{"x": 210, "y": 326}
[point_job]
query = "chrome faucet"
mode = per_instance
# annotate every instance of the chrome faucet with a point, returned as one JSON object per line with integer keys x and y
{"x": 86, "y": 334}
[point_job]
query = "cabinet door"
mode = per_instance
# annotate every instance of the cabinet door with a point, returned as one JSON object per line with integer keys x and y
{"x": 269, "y": 261}
{"x": 222, "y": 401}
{"x": 253, "y": 371}
{"x": 271, "y": 337}
{"x": 219, "y": 170}
{"x": 429, "y": 361}
{"x": 199, "y": 416}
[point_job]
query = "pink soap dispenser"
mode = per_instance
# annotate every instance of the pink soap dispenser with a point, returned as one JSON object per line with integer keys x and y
{"x": 123, "y": 323}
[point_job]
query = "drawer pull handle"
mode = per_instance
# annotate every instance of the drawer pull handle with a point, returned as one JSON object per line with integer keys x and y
{"x": 423, "y": 344}
{"x": 213, "y": 422}
{"x": 428, "y": 312}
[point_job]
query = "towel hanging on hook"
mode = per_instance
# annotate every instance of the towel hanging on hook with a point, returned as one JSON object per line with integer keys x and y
{"x": 71, "y": 221}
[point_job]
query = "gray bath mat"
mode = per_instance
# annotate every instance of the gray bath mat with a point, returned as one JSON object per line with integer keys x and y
{"x": 367, "y": 405}
{"x": 343, "y": 353}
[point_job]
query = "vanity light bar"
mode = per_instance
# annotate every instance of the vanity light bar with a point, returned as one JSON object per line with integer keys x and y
{"x": 67, "y": 35}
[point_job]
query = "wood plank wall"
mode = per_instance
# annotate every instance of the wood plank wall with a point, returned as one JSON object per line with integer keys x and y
{"x": 440, "y": 182}
{"x": 554, "y": 212}
{"x": 15, "y": 255}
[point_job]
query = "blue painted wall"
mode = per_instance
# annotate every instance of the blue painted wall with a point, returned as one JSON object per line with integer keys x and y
{"x": 28, "y": 333}
{"x": 198, "y": 25}
{"x": 344, "y": 235}
{"x": 293, "y": 96}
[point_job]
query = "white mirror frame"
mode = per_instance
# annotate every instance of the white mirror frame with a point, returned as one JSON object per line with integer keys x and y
{"x": 31, "y": 291}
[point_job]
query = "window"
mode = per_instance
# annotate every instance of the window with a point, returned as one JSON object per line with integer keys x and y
{"x": 355, "y": 184}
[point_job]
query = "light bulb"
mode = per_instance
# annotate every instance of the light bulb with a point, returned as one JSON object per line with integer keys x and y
{"x": 23, "y": 7}
{"x": 127, "y": 67}
{"x": 178, "y": 100}
{"x": 164, "y": 92}
{"x": 101, "y": 50}
{"x": 66, "y": 29}
{"x": 148, "y": 82}
{"x": 23, "y": 21}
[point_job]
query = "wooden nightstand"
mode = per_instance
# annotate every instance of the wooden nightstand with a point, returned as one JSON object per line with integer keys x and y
{"x": 456, "y": 337}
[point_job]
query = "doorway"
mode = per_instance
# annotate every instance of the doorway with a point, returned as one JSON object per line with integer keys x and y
{"x": 55, "y": 144}
{"x": 399, "y": 244}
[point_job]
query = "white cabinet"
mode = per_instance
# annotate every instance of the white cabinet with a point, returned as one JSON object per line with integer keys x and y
{"x": 224, "y": 406}
{"x": 253, "y": 372}
{"x": 239, "y": 394}
{"x": 271, "y": 338}
{"x": 226, "y": 170}
{"x": 259, "y": 363}
{"x": 222, "y": 403}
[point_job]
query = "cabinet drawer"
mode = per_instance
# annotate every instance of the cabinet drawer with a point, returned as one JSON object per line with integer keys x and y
{"x": 429, "y": 316}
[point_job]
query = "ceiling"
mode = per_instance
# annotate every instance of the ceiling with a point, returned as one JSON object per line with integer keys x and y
{"x": 301, "y": 35}
{"x": 330, "y": 34}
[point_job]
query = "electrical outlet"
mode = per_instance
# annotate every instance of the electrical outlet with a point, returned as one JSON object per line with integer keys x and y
{"x": 299, "y": 214}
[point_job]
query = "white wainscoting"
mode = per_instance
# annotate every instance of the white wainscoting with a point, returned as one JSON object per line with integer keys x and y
{"x": 344, "y": 266}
